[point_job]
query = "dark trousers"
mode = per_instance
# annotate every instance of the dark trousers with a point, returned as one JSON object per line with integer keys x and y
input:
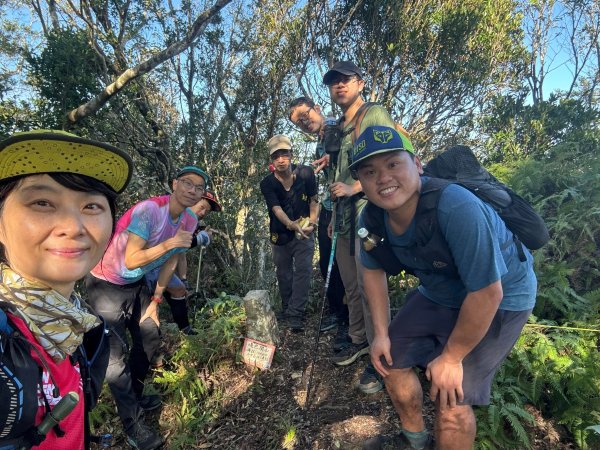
{"x": 122, "y": 307}
{"x": 293, "y": 267}
{"x": 335, "y": 292}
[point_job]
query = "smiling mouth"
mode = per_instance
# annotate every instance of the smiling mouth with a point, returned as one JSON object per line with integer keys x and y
{"x": 388, "y": 190}
{"x": 68, "y": 252}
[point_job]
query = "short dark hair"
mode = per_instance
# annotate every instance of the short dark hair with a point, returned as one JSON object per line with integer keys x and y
{"x": 300, "y": 101}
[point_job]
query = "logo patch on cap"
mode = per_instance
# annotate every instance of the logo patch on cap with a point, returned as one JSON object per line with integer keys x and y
{"x": 383, "y": 136}
{"x": 359, "y": 147}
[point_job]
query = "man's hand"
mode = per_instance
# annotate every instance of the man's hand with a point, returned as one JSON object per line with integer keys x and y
{"x": 446, "y": 378}
{"x": 308, "y": 229}
{"x": 152, "y": 312}
{"x": 320, "y": 163}
{"x": 297, "y": 228}
{"x": 182, "y": 239}
{"x": 381, "y": 346}
{"x": 339, "y": 189}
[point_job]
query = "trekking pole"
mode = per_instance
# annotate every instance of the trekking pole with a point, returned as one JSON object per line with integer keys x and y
{"x": 317, "y": 340}
{"x": 196, "y": 292}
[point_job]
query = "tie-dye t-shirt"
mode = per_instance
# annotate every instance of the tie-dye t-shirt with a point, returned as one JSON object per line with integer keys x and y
{"x": 151, "y": 221}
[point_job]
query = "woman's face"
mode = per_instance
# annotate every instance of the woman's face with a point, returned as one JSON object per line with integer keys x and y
{"x": 54, "y": 234}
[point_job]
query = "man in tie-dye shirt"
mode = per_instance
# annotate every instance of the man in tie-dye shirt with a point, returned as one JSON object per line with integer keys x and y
{"x": 151, "y": 234}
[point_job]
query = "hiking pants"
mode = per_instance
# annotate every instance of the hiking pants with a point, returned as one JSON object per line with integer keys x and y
{"x": 360, "y": 325}
{"x": 293, "y": 263}
{"x": 121, "y": 307}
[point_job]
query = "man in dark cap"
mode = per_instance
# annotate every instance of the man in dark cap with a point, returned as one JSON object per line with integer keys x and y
{"x": 475, "y": 291}
{"x": 346, "y": 84}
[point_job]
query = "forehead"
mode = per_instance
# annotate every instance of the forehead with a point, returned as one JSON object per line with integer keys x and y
{"x": 299, "y": 109}
{"x": 33, "y": 182}
{"x": 382, "y": 158}
{"x": 204, "y": 204}
{"x": 193, "y": 177}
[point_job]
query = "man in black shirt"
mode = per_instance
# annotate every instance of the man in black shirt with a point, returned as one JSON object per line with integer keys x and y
{"x": 291, "y": 196}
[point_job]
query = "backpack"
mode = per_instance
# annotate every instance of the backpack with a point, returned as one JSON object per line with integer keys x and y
{"x": 359, "y": 116}
{"x": 430, "y": 253}
{"x": 458, "y": 164}
{"x": 21, "y": 380}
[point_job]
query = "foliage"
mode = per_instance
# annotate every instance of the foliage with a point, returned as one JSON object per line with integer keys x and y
{"x": 558, "y": 372}
{"x": 502, "y": 423}
{"x": 556, "y": 369}
{"x": 433, "y": 63}
{"x": 185, "y": 379}
{"x": 65, "y": 74}
{"x": 518, "y": 130}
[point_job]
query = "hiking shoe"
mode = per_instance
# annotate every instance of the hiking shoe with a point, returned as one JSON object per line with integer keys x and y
{"x": 295, "y": 324}
{"x": 149, "y": 402}
{"x": 189, "y": 331}
{"x": 350, "y": 354}
{"x": 328, "y": 323}
{"x": 342, "y": 339}
{"x": 141, "y": 437}
{"x": 158, "y": 360}
{"x": 370, "y": 380}
{"x": 395, "y": 442}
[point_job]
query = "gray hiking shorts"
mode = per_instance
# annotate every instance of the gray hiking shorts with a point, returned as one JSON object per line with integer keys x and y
{"x": 420, "y": 330}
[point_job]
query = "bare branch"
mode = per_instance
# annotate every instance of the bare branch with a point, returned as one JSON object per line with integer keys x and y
{"x": 131, "y": 74}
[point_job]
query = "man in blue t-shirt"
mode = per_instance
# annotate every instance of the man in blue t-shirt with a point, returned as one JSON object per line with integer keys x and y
{"x": 458, "y": 328}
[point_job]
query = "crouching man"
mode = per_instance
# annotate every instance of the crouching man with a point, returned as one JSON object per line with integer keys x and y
{"x": 474, "y": 297}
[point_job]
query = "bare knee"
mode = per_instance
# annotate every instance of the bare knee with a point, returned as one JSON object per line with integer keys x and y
{"x": 403, "y": 385}
{"x": 455, "y": 428}
{"x": 406, "y": 393}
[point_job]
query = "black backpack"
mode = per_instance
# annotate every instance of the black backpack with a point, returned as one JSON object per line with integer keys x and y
{"x": 459, "y": 165}
{"x": 21, "y": 380}
{"x": 431, "y": 254}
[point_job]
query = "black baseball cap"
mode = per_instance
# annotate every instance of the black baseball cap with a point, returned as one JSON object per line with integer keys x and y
{"x": 343, "y": 67}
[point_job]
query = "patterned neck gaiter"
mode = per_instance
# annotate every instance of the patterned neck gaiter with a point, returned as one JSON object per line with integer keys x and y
{"x": 57, "y": 323}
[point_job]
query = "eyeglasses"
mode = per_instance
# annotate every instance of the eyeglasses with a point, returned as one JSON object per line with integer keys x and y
{"x": 344, "y": 79}
{"x": 281, "y": 154}
{"x": 303, "y": 117}
{"x": 188, "y": 186}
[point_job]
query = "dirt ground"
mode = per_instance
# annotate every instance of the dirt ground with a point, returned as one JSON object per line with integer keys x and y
{"x": 266, "y": 410}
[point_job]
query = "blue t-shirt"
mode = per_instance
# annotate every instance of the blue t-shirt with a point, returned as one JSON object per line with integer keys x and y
{"x": 483, "y": 252}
